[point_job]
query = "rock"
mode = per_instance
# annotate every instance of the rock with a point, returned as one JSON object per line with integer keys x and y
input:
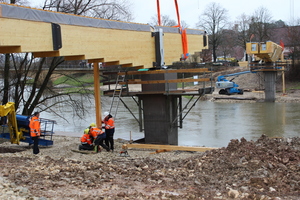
{"x": 233, "y": 193}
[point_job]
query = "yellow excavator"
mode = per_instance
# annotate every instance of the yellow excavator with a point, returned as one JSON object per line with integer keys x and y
{"x": 18, "y": 127}
{"x": 16, "y": 134}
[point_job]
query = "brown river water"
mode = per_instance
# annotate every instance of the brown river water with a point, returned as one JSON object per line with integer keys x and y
{"x": 210, "y": 124}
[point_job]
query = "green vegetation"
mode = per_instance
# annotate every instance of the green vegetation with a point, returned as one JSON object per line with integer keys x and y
{"x": 295, "y": 87}
{"x": 75, "y": 80}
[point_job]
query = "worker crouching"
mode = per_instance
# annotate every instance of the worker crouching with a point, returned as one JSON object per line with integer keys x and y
{"x": 98, "y": 137}
{"x": 86, "y": 141}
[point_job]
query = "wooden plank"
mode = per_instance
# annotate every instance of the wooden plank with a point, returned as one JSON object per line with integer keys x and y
{"x": 166, "y": 81}
{"x": 46, "y": 54}
{"x": 126, "y": 65}
{"x": 10, "y": 49}
{"x": 98, "y": 60}
{"x": 167, "y": 147}
{"x": 75, "y": 57}
{"x": 202, "y": 70}
{"x": 160, "y": 151}
{"x": 236, "y": 98}
{"x": 111, "y": 63}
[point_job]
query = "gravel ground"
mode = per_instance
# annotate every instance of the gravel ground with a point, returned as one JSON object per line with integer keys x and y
{"x": 268, "y": 168}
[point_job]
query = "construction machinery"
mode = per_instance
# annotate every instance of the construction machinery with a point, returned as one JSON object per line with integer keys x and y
{"x": 17, "y": 127}
{"x": 228, "y": 87}
{"x": 266, "y": 56}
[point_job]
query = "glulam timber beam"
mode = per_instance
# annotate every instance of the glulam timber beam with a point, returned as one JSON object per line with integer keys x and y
{"x": 49, "y": 34}
{"x": 166, "y": 147}
{"x": 197, "y": 70}
{"x": 166, "y": 81}
{"x": 10, "y": 49}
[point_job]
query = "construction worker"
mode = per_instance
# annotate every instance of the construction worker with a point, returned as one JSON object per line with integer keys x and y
{"x": 98, "y": 137}
{"x": 109, "y": 125}
{"x": 86, "y": 142}
{"x": 35, "y": 131}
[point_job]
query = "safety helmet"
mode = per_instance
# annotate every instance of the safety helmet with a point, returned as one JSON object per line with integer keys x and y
{"x": 92, "y": 124}
{"x": 106, "y": 113}
{"x": 86, "y": 131}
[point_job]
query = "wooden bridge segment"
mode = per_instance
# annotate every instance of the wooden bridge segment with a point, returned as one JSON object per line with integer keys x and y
{"x": 25, "y": 29}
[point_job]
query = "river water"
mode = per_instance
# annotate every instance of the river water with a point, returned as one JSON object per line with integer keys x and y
{"x": 210, "y": 124}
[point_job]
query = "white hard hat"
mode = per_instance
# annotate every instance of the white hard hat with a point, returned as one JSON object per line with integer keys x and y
{"x": 106, "y": 113}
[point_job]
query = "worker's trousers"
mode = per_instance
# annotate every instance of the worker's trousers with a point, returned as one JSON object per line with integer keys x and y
{"x": 36, "y": 149}
{"x": 99, "y": 141}
{"x": 109, "y": 140}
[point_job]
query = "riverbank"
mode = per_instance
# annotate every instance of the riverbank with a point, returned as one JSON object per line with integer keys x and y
{"x": 263, "y": 169}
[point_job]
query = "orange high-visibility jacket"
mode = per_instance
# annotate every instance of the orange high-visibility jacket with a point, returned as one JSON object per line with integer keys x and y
{"x": 110, "y": 123}
{"x": 94, "y": 131}
{"x": 35, "y": 127}
{"x": 86, "y": 139}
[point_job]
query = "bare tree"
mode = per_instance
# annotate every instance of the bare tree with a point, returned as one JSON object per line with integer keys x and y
{"x": 261, "y": 24}
{"x": 293, "y": 40}
{"x": 243, "y": 30}
{"x": 106, "y": 9}
{"x": 213, "y": 21}
{"x": 19, "y": 2}
{"x": 166, "y": 21}
{"x": 227, "y": 44}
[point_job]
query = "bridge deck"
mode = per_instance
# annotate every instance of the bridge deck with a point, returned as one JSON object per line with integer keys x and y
{"x": 25, "y": 29}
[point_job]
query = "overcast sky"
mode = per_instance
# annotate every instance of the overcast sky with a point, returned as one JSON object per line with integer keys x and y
{"x": 190, "y": 10}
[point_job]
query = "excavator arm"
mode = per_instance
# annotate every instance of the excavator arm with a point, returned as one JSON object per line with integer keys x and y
{"x": 8, "y": 110}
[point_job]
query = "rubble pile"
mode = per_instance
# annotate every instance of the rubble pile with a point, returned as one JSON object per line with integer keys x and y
{"x": 268, "y": 168}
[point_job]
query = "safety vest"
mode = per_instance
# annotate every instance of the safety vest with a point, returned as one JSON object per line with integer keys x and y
{"x": 109, "y": 124}
{"x": 34, "y": 126}
{"x": 94, "y": 131}
{"x": 86, "y": 139}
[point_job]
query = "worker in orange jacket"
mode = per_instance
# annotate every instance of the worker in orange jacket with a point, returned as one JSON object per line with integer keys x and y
{"x": 35, "y": 131}
{"x": 109, "y": 125}
{"x": 98, "y": 137}
{"x": 86, "y": 142}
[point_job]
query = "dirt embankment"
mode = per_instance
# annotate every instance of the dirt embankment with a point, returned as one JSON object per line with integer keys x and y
{"x": 264, "y": 169}
{"x": 253, "y": 86}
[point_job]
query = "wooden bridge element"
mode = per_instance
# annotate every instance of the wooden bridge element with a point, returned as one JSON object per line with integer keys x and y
{"x": 51, "y": 34}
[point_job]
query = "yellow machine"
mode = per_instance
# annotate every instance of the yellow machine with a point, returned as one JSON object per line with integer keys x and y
{"x": 265, "y": 51}
{"x": 15, "y": 134}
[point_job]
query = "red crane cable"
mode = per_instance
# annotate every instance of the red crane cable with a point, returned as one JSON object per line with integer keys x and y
{"x": 178, "y": 16}
{"x": 183, "y": 34}
{"x": 158, "y": 13}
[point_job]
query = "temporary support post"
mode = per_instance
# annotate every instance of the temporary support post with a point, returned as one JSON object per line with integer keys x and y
{"x": 283, "y": 81}
{"x": 97, "y": 94}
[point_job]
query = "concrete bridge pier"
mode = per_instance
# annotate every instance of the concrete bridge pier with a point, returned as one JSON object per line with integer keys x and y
{"x": 159, "y": 113}
{"x": 160, "y": 110}
{"x": 270, "y": 85}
